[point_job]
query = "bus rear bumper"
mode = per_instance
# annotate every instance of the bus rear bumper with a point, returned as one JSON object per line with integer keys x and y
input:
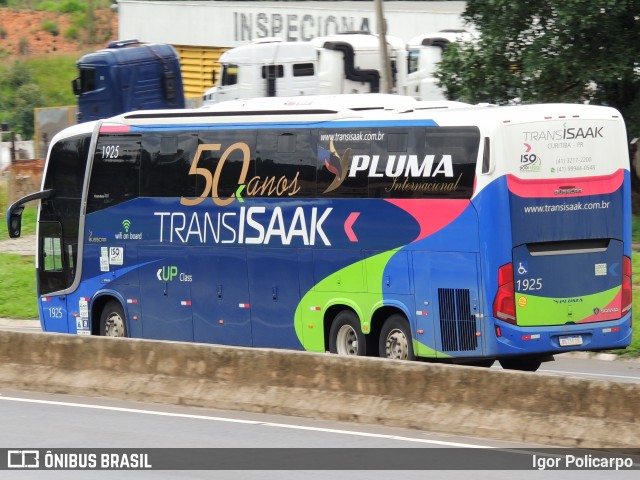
{"x": 515, "y": 340}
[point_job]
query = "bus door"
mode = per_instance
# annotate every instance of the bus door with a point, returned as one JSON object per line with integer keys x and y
{"x": 53, "y": 274}
{"x": 220, "y": 295}
{"x": 447, "y": 304}
{"x": 165, "y": 293}
{"x": 58, "y": 229}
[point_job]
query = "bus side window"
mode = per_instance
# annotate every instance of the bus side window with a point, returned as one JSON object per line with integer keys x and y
{"x": 487, "y": 166}
{"x": 115, "y": 172}
{"x": 53, "y": 272}
{"x": 286, "y": 159}
{"x": 51, "y": 254}
{"x": 166, "y": 164}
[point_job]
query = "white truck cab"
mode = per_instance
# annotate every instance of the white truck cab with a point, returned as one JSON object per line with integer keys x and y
{"x": 266, "y": 68}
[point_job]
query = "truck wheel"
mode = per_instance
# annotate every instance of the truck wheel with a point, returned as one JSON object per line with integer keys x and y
{"x": 346, "y": 337}
{"x": 112, "y": 322}
{"x": 395, "y": 339}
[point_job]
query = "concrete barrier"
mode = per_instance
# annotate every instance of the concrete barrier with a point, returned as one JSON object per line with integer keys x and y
{"x": 517, "y": 406}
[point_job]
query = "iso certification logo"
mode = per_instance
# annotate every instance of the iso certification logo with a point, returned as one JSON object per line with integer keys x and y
{"x": 23, "y": 459}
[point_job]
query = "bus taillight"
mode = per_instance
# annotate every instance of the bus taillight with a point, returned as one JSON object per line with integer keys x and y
{"x": 627, "y": 291}
{"x": 504, "y": 305}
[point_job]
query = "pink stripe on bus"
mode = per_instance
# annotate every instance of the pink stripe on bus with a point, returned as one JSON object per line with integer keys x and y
{"x": 115, "y": 129}
{"x": 565, "y": 187}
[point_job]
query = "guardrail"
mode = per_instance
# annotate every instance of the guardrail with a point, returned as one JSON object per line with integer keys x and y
{"x": 517, "y": 406}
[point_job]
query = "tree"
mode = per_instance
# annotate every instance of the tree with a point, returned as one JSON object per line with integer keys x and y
{"x": 549, "y": 51}
{"x": 19, "y": 95}
{"x": 28, "y": 97}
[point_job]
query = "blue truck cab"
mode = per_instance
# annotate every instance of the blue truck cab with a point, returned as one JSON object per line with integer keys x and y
{"x": 128, "y": 75}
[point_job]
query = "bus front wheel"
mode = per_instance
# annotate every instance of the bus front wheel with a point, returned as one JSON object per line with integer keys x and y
{"x": 112, "y": 322}
{"x": 395, "y": 339}
{"x": 346, "y": 337}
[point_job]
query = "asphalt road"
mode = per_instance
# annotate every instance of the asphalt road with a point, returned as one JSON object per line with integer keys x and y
{"x": 51, "y": 422}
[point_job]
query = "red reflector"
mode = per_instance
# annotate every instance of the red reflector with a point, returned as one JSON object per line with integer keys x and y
{"x": 498, "y": 332}
{"x": 535, "y": 336}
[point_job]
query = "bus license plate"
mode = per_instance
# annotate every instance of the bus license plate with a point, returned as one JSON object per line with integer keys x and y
{"x": 571, "y": 341}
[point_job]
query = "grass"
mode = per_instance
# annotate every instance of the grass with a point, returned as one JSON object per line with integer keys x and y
{"x": 633, "y": 350}
{"x": 18, "y": 299}
{"x": 28, "y": 216}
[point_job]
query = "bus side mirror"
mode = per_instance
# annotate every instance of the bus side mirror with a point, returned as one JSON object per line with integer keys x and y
{"x": 14, "y": 221}
{"x": 14, "y": 213}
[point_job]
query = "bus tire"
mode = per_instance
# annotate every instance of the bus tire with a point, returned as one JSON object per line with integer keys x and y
{"x": 487, "y": 363}
{"x": 395, "y": 339}
{"x": 523, "y": 364}
{"x": 112, "y": 322}
{"x": 345, "y": 335}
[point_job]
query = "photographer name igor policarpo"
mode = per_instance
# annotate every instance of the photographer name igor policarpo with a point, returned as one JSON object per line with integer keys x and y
{"x": 581, "y": 462}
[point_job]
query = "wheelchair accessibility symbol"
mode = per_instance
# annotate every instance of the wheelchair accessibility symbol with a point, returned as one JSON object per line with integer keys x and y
{"x": 523, "y": 268}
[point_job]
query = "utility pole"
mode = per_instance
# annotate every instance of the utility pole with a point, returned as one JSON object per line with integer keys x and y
{"x": 387, "y": 81}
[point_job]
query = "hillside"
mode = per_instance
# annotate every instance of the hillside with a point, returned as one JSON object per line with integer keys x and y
{"x": 35, "y": 33}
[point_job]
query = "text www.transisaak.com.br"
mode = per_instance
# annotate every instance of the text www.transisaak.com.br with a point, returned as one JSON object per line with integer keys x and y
{"x": 567, "y": 207}
{"x": 352, "y": 136}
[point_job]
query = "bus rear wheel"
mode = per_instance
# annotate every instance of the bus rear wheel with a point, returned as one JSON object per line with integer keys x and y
{"x": 346, "y": 337}
{"x": 112, "y": 322}
{"x": 395, "y": 339}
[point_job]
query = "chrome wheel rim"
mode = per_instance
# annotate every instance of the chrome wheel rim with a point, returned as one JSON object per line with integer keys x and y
{"x": 114, "y": 326}
{"x": 397, "y": 345}
{"x": 347, "y": 341}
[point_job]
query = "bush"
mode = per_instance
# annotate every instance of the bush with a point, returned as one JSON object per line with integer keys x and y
{"x": 51, "y": 26}
{"x": 47, "y": 6}
{"x": 17, "y": 74}
{"x": 72, "y": 33}
{"x": 23, "y": 46}
{"x": 70, "y": 6}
